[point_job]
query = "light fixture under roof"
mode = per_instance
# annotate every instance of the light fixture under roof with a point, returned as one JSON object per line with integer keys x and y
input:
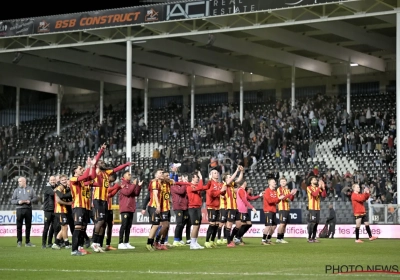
{"x": 353, "y": 64}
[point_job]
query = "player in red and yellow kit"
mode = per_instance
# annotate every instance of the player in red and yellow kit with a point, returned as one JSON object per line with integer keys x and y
{"x": 228, "y": 211}
{"x": 154, "y": 206}
{"x": 165, "y": 214}
{"x": 213, "y": 194}
{"x": 112, "y": 191}
{"x": 61, "y": 200}
{"x": 100, "y": 197}
{"x": 357, "y": 200}
{"x": 81, "y": 203}
{"x": 194, "y": 207}
{"x": 284, "y": 209}
{"x": 315, "y": 191}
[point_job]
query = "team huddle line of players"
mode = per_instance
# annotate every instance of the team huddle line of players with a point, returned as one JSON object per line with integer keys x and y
{"x": 227, "y": 203}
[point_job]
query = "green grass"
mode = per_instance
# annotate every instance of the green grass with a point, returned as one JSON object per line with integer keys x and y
{"x": 296, "y": 260}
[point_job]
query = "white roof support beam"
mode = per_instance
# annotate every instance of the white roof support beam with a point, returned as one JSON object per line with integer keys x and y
{"x": 13, "y": 81}
{"x": 212, "y": 57}
{"x": 266, "y": 53}
{"x": 349, "y": 31}
{"x": 161, "y": 61}
{"x": 113, "y": 65}
{"x": 10, "y": 70}
{"x": 71, "y": 70}
{"x": 310, "y": 44}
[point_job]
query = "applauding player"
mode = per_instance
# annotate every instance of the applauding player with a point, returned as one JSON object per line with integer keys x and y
{"x": 315, "y": 191}
{"x": 284, "y": 209}
{"x": 357, "y": 200}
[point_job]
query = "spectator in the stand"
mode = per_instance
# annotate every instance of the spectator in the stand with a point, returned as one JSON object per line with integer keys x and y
{"x": 346, "y": 193}
{"x": 156, "y": 156}
{"x": 345, "y": 143}
{"x": 254, "y": 163}
{"x": 343, "y": 124}
{"x": 312, "y": 148}
{"x": 165, "y": 133}
{"x": 391, "y": 143}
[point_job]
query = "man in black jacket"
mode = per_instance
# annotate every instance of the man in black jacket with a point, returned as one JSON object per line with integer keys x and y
{"x": 331, "y": 221}
{"x": 48, "y": 208}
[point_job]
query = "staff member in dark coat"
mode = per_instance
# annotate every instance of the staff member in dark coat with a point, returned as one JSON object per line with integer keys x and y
{"x": 331, "y": 221}
{"x": 48, "y": 208}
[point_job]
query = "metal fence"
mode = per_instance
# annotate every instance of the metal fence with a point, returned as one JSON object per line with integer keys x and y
{"x": 384, "y": 214}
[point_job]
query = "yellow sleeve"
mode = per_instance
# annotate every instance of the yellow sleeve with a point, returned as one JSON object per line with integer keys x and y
{"x": 154, "y": 185}
{"x": 109, "y": 171}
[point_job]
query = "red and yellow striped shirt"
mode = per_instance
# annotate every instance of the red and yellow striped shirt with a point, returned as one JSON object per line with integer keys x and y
{"x": 165, "y": 203}
{"x": 80, "y": 193}
{"x": 231, "y": 196}
{"x": 283, "y": 204}
{"x": 59, "y": 208}
{"x": 154, "y": 185}
{"x": 100, "y": 192}
{"x": 314, "y": 197}
{"x": 222, "y": 201}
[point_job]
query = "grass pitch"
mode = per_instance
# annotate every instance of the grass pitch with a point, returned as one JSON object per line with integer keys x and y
{"x": 296, "y": 260}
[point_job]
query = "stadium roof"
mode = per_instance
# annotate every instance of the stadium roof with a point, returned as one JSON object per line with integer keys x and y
{"x": 319, "y": 40}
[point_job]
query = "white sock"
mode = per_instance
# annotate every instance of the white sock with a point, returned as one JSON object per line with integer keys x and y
{"x": 194, "y": 241}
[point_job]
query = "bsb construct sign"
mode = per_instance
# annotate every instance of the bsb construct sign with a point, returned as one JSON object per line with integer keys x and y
{"x": 99, "y": 19}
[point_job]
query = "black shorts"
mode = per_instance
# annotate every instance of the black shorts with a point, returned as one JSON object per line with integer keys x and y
{"x": 181, "y": 216}
{"x": 154, "y": 218}
{"x": 222, "y": 215}
{"x": 364, "y": 218}
{"x": 212, "y": 215}
{"x": 49, "y": 217}
{"x": 100, "y": 207}
{"x": 81, "y": 216}
{"x": 62, "y": 218}
{"x": 232, "y": 215}
{"x": 244, "y": 217}
{"x": 165, "y": 216}
{"x": 270, "y": 219}
{"x": 313, "y": 216}
{"x": 109, "y": 217}
{"x": 195, "y": 216}
{"x": 284, "y": 217}
{"x": 91, "y": 215}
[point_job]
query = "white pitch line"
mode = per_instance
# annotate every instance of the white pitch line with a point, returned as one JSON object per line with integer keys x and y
{"x": 372, "y": 275}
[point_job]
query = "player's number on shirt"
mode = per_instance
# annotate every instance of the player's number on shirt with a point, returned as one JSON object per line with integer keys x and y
{"x": 86, "y": 193}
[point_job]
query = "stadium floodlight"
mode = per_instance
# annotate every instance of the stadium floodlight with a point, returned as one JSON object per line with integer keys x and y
{"x": 353, "y": 64}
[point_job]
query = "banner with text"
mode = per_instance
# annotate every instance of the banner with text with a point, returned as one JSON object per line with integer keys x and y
{"x": 300, "y": 231}
{"x": 9, "y": 217}
{"x": 16, "y": 27}
{"x": 99, "y": 19}
{"x": 139, "y": 218}
{"x": 225, "y": 7}
{"x": 196, "y": 9}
